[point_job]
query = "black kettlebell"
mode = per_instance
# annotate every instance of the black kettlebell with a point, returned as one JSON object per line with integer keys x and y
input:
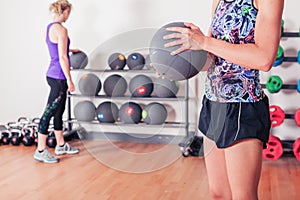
{"x": 34, "y": 128}
{"x": 5, "y": 137}
{"x": 35, "y": 139}
{"x": 16, "y": 137}
{"x": 23, "y": 121}
{"x": 51, "y": 140}
{"x": 28, "y": 137}
{"x": 16, "y": 134}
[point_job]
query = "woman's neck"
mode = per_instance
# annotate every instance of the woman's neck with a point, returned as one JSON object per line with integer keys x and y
{"x": 58, "y": 19}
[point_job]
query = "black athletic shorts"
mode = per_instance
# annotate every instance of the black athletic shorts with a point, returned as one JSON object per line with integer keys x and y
{"x": 227, "y": 123}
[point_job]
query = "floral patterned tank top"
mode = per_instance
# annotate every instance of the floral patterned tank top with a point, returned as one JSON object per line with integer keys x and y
{"x": 233, "y": 22}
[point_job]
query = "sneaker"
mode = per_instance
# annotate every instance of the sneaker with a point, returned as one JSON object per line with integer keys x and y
{"x": 45, "y": 156}
{"x": 66, "y": 149}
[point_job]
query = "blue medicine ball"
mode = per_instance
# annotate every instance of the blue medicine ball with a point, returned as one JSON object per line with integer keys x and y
{"x": 135, "y": 61}
{"x": 107, "y": 112}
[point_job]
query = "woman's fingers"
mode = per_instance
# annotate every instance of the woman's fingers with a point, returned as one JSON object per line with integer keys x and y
{"x": 173, "y": 43}
{"x": 179, "y": 50}
{"x": 183, "y": 35}
{"x": 191, "y": 25}
{"x": 172, "y": 35}
{"x": 177, "y": 29}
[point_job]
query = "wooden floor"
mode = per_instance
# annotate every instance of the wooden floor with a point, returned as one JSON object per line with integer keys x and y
{"x": 127, "y": 171}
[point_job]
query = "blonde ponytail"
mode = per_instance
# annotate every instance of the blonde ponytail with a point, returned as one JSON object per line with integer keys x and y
{"x": 59, "y": 6}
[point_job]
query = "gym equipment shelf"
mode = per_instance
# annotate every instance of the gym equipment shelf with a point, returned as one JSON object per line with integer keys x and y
{"x": 153, "y": 98}
{"x": 276, "y": 147}
{"x": 157, "y": 138}
{"x": 290, "y": 34}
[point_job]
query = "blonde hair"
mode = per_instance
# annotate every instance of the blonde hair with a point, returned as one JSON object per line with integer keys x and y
{"x": 60, "y": 6}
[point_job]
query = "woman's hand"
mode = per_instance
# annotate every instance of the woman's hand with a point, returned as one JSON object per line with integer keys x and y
{"x": 71, "y": 86}
{"x": 190, "y": 38}
{"x": 74, "y": 50}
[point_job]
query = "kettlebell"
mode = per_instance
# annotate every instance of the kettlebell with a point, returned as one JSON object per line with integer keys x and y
{"x": 51, "y": 140}
{"x": 16, "y": 137}
{"x": 28, "y": 137}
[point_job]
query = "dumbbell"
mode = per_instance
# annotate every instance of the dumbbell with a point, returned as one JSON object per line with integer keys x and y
{"x": 277, "y": 116}
{"x": 288, "y": 34}
{"x": 5, "y": 135}
{"x": 274, "y": 149}
{"x": 274, "y": 84}
{"x": 296, "y": 149}
{"x": 280, "y": 58}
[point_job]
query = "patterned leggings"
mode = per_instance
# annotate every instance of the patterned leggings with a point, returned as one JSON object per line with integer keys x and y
{"x": 55, "y": 106}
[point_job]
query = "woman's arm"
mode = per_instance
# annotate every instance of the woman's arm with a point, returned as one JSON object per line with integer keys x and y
{"x": 74, "y": 50}
{"x": 62, "y": 42}
{"x": 260, "y": 55}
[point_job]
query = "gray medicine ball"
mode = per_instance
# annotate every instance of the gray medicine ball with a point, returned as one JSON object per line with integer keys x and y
{"x": 117, "y": 61}
{"x": 135, "y": 61}
{"x": 141, "y": 86}
{"x": 179, "y": 67}
{"x": 130, "y": 113}
{"x": 107, "y": 112}
{"x": 154, "y": 113}
{"x": 85, "y": 111}
{"x": 165, "y": 88}
{"x": 115, "y": 85}
{"x": 89, "y": 84}
{"x": 78, "y": 60}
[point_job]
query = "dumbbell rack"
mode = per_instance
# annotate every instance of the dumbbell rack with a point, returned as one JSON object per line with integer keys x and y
{"x": 132, "y": 137}
{"x": 290, "y": 34}
{"x": 287, "y": 145}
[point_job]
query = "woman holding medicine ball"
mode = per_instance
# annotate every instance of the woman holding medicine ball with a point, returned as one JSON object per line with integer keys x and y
{"x": 243, "y": 39}
{"x": 60, "y": 81}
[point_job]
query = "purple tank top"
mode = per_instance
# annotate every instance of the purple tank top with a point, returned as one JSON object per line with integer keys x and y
{"x": 54, "y": 69}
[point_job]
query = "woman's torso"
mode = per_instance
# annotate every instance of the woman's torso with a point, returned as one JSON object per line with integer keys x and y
{"x": 55, "y": 69}
{"x": 233, "y": 22}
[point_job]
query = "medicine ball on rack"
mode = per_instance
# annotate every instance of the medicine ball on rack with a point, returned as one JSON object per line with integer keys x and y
{"x": 141, "y": 86}
{"x": 179, "y": 67}
{"x": 115, "y": 85}
{"x": 154, "y": 113}
{"x": 89, "y": 84}
{"x": 107, "y": 112}
{"x": 78, "y": 60}
{"x": 135, "y": 61}
{"x": 85, "y": 111}
{"x": 165, "y": 88}
{"x": 130, "y": 113}
{"x": 116, "y": 61}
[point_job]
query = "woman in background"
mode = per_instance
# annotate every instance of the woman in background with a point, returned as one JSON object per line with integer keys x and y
{"x": 60, "y": 81}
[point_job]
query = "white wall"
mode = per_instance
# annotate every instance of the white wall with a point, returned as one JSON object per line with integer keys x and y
{"x": 24, "y": 56}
